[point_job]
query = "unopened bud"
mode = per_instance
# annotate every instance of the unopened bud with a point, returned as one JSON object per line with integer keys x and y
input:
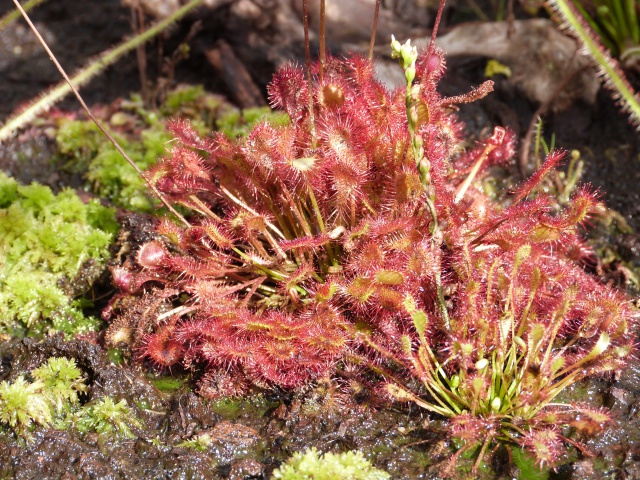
{"x": 410, "y": 74}
{"x": 395, "y": 47}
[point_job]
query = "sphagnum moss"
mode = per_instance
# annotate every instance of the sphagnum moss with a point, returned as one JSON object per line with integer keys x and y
{"x": 52, "y": 398}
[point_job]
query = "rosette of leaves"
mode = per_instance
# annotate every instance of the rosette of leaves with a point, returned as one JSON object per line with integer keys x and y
{"x": 354, "y": 234}
{"x": 53, "y": 248}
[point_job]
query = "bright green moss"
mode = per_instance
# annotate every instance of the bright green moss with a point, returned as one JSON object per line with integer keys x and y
{"x": 52, "y": 398}
{"x": 108, "y": 173}
{"x": 62, "y": 382}
{"x": 22, "y": 403}
{"x": 48, "y": 399}
{"x": 141, "y": 134}
{"x": 46, "y": 240}
{"x": 105, "y": 416}
{"x": 313, "y": 465}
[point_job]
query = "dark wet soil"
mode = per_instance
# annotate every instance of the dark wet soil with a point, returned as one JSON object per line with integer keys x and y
{"x": 251, "y": 437}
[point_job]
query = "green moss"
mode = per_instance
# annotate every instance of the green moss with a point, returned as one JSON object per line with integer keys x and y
{"x": 228, "y": 408}
{"x": 47, "y": 240}
{"x": 23, "y": 403}
{"x": 105, "y": 416}
{"x": 141, "y": 133}
{"x": 200, "y": 442}
{"x": 52, "y": 398}
{"x": 255, "y": 406}
{"x": 62, "y": 382}
{"x": 167, "y": 384}
{"x": 108, "y": 173}
{"x": 313, "y": 465}
{"x": 236, "y": 123}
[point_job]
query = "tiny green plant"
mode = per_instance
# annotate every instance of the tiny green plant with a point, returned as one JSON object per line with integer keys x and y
{"x": 50, "y": 397}
{"x": 105, "y": 416}
{"x": 314, "y": 465}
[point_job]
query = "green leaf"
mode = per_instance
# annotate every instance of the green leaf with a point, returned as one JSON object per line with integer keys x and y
{"x": 526, "y": 463}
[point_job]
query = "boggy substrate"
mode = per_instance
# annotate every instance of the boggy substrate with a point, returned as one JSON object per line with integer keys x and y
{"x": 248, "y": 438}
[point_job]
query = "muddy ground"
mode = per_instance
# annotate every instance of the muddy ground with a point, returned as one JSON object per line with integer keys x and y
{"x": 251, "y": 437}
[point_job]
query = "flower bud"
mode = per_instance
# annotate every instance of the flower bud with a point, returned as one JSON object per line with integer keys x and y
{"x": 410, "y": 73}
{"x": 395, "y": 47}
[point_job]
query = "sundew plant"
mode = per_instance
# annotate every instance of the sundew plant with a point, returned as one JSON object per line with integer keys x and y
{"x": 353, "y": 237}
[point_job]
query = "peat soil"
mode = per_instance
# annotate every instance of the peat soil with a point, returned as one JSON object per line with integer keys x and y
{"x": 250, "y": 437}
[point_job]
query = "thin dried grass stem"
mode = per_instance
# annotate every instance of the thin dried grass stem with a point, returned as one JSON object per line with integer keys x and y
{"x": 94, "y": 119}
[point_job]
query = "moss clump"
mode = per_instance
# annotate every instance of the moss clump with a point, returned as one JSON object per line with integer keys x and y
{"x": 236, "y": 123}
{"x": 107, "y": 172}
{"x": 105, "y": 416}
{"x": 313, "y": 465}
{"x": 50, "y": 396}
{"x": 47, "y": 242}
{"x": 62, "y": 382}
{"x": 23, "y": 403}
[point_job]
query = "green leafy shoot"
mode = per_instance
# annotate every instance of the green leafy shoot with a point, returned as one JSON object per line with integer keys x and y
{"x": 23, "y": 404}
{"x": 63, "y": 381}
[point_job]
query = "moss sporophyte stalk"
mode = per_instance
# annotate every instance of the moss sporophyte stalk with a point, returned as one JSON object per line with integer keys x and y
{"x": 362, "y": 244}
